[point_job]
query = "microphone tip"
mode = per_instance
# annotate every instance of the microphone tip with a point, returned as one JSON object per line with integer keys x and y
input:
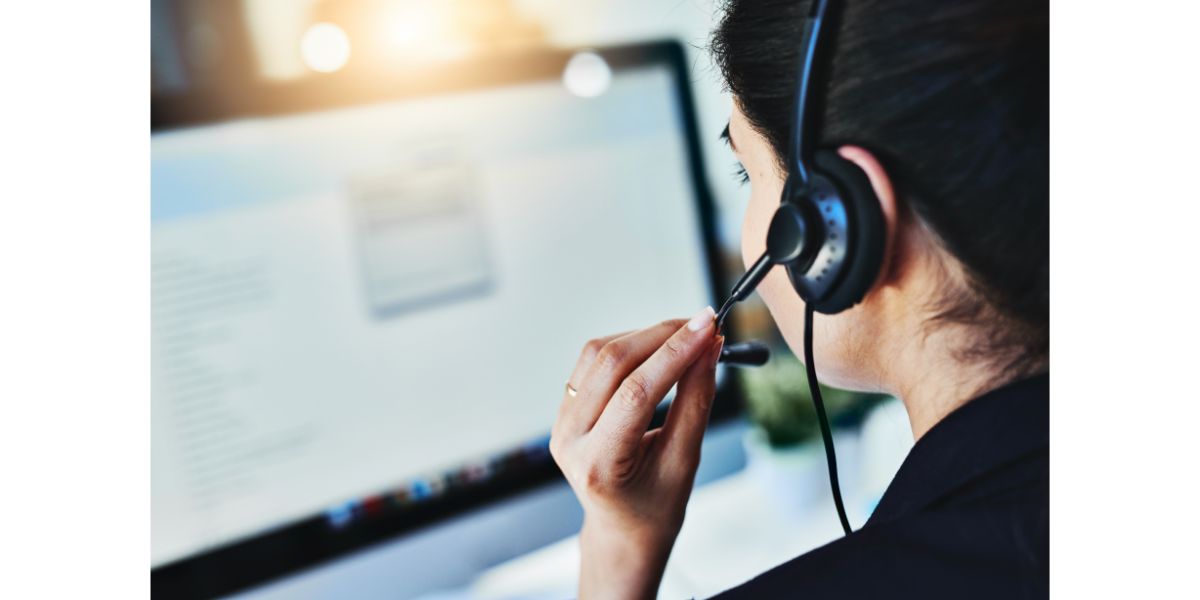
{"x": 745, "y": 354}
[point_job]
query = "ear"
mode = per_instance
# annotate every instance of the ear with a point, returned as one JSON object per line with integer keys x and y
{"x": 882, "y": 185}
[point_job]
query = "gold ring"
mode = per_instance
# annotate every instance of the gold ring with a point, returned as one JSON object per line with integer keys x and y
{"x": 571, "y": 391}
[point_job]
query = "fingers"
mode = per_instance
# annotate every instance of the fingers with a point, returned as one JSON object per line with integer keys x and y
{"x": 614, "y": 360}
{"x": 625, "y": 417}
{"x": 568, "y": 408}
{"x": 588, "y": 355}
{"x": 688, "y": 416}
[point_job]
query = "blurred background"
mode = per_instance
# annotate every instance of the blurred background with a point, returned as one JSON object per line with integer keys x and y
{"x": 381, "y": 230}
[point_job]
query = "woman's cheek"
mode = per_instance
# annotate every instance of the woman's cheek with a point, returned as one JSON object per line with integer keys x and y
{"x": 749, "y": 240}
{"x": 754, "y": 230}
{"x": 785, "y": 304}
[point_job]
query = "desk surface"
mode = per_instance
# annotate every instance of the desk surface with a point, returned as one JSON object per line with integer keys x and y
{"x": 740, "y": 522}
{"x": 737, "y": 526}
{"x": 721, "y": 544}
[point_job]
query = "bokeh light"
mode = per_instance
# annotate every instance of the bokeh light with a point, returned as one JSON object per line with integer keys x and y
{"x": 587, "y": 75}
{"x": 325, "y": 47}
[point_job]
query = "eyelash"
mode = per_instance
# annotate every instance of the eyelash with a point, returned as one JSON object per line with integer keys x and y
{"x": 739, "y": 173}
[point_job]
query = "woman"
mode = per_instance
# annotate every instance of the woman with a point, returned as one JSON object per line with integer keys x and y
{"x": 944, "y": 106}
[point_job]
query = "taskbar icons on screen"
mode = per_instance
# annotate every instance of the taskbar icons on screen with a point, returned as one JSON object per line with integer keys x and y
{"x": 424, "y": 489}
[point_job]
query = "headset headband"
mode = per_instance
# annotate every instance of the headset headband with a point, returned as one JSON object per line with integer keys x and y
{"x": 799, "y": 150}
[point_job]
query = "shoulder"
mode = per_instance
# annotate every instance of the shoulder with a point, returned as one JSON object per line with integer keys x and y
{"x": 967, "y": 515}
{"x": 991, "y": 550}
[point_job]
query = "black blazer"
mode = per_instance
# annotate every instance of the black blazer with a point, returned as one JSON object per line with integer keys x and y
{"x": 967, "y": 515}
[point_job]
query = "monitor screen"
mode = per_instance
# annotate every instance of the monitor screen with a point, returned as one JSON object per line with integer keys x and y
{"x": 379, "y": 303}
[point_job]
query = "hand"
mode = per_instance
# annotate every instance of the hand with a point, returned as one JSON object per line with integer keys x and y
{"x": 634, "y": 484}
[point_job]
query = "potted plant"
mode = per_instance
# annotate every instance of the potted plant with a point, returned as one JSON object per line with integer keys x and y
{"x": 784, "y": 451}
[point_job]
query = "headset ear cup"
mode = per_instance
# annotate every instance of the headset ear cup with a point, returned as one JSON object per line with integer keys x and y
{"x": 867, "y": 232}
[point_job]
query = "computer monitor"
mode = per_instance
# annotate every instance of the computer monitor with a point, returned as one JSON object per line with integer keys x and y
{"x": 367, "y": 296}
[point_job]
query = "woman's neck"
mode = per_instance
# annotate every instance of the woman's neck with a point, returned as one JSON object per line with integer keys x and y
{"x": 929, "y": 399}
{"x": 932, "y": 379}
{"x": 927, "y": 362}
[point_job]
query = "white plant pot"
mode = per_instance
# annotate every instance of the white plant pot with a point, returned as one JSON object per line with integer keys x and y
{"x": 794, "y": 479}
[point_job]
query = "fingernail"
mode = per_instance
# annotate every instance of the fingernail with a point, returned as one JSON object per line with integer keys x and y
{"x": 716, "y": 357}
{"x": 702, "y": 319}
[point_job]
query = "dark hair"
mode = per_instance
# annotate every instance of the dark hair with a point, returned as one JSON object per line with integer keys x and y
{"x": 953, "y": 98}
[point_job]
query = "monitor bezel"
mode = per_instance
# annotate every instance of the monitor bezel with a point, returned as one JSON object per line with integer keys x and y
{"x": 270, "y": 555}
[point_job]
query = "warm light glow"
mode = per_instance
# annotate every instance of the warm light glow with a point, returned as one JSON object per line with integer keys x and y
{"x": 587, "y": 75}
{"x": 325, "y": 47}
{"x": 411, "y": 24}
{"x": 421, "y": 31}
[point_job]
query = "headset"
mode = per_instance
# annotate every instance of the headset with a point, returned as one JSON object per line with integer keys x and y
{"x": 828, "y": 232}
